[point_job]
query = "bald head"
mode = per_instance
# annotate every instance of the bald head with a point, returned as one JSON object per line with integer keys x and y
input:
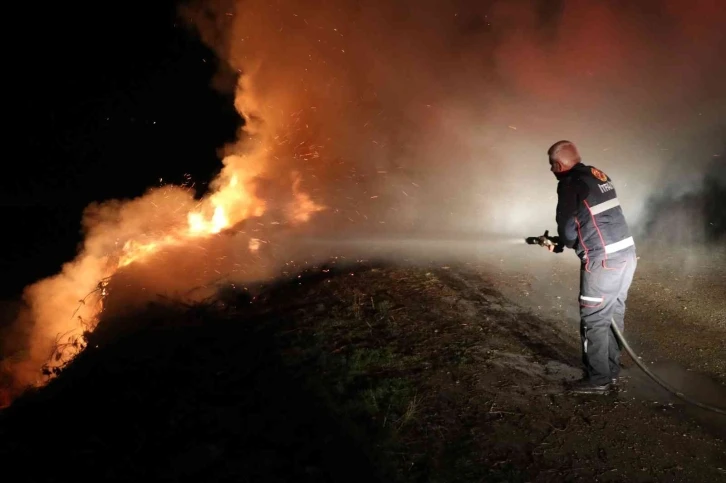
{"x": 563, "y": 156}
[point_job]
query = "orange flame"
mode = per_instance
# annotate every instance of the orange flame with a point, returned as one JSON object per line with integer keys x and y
{"x": 144, "y": 227}
{"x": 303, "y": 206}
{"x": 233, "y": 202}
{"x": 120, "y": 234}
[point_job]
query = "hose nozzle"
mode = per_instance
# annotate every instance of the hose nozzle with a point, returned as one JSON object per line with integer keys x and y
{"x": 544, "y": 240}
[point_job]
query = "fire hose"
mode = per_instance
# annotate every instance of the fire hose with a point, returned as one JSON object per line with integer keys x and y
{"x": 657, "y": 379}
{"x": 553, "y": 241}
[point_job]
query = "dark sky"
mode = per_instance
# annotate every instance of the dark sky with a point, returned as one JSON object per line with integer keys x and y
{"x": 106, "y": 102}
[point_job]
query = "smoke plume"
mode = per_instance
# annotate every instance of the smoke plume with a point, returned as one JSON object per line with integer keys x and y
{"x": 388, "y": 118}
{"x": 444, "y": 110}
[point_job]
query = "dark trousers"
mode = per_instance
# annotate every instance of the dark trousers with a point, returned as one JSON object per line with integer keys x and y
{"x": 604, "y": 286}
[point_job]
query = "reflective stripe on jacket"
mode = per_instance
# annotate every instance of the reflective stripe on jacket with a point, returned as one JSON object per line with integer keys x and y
{"x": 589, "y": 216}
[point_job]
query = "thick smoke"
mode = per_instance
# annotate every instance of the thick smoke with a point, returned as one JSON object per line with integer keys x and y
{"x": 410, "y": 117}
{"x": 690, "y": 213}
{"x": 434, "y": 115}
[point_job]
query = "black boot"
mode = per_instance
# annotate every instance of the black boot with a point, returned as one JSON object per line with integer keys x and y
{"x": 584, "y": 386}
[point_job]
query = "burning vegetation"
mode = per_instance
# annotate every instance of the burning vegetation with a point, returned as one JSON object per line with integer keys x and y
{"x": 143, "y": 232}
{"x": 207, "y": 316}
{"x": 352, "y": 116}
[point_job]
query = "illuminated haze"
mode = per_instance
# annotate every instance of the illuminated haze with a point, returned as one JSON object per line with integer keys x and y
{"x": 444, "y": 110}
{"x": 416, "y": 118}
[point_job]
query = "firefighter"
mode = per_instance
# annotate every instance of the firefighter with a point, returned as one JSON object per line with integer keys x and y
{"x": 590, "y": 220}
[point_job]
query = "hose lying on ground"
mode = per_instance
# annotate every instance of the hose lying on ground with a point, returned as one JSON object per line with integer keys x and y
{"x": 664, "y": 384}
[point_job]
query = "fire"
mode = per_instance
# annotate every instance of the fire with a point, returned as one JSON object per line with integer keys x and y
{"x": 134, "y": 250}
{"x": 120, "y": 234}
{"x": 303, "y": 207}
{"x": 230, "y": 204}
{"x": 259, "y": 178}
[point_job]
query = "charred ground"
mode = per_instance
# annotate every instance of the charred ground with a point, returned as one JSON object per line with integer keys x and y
{"x": 367, "y": 372}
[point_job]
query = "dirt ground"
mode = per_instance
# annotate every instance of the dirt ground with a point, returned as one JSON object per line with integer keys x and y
{"x": 370, "y": 372}
{"x": 682, "y": 298}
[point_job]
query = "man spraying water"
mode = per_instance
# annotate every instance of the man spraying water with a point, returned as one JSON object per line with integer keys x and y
{"x": 591, "y": 221}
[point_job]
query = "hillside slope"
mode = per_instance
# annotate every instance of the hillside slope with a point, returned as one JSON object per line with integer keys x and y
{"x": 359, "y": 373}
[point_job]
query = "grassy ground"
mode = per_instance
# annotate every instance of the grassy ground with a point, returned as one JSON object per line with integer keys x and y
{"x": 361, "y": 373}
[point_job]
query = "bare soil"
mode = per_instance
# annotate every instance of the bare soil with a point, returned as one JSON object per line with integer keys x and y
{"x": 367, "y": 372}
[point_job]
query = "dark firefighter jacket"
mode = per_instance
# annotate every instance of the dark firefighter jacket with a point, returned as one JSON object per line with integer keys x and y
{"x": 589, "y": 216}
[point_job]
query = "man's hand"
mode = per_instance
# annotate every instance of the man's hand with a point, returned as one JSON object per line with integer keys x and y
{"x": 555, "y": 248}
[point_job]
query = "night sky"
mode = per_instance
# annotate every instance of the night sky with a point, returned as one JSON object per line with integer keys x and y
{"x": 107, "y": 102}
